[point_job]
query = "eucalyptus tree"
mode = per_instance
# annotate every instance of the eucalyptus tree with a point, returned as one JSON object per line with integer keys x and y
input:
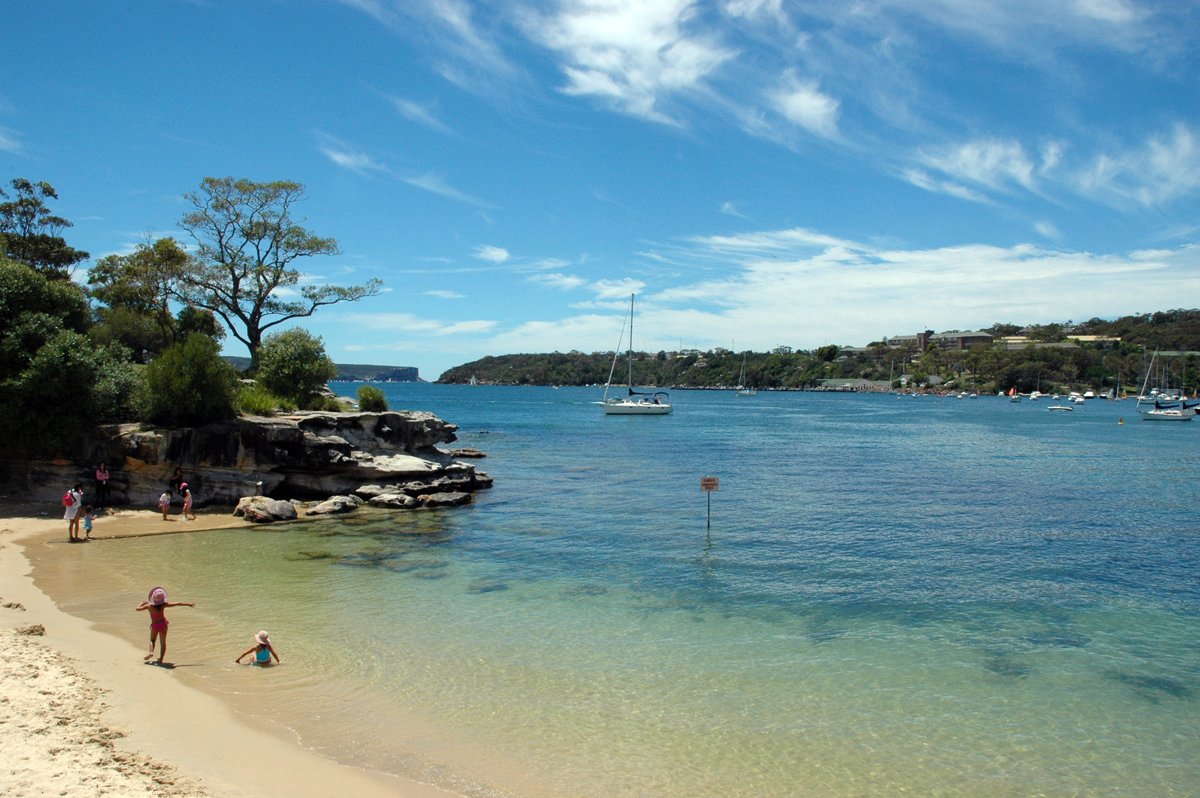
{"x": 29, "y": 232}
{"x": 244, "y": 267}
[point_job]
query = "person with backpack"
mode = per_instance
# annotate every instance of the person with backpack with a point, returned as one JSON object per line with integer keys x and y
{"x": 72, "y": 503}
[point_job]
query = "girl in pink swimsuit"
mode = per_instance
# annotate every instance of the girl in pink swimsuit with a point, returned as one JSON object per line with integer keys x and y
{"x": 156, "y": 603}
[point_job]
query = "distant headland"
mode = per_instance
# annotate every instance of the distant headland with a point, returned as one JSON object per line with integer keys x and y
{"x": 353, "y": 372}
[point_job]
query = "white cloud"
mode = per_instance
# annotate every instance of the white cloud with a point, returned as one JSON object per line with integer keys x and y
{"x": 616, "y": 289}
{"x": 344, "y": 156}
{"x": 9, "y": 142}
{"x": 491, "y": 254}
{"x": 410, "y": 324}
{"x": 418, "y": 113}
{"x": 922, "y": 179}
{"x": 1114, "y": 11}
{"x": 851, "y": 293}
{"x": 1047, "y": 230}
{"x": 442, "y": 294}
{"x": 729, "y": 209}
{"x": 436, "y": 184}
{"x": 991, "y": 163}
{"x": 564, "y": 282}
{"x": 632, "y": 54}
{"x": 802, "y": 103}
{"x": 1164, "y": 168}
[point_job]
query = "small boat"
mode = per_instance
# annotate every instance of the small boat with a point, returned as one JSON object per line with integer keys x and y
{"x": 635, "y": 403}
{"x": 1013, "y": 396}
{"x": 1061, "y": 408}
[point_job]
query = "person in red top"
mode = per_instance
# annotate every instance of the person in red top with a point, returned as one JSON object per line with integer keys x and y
{"x": 103, "y": 497}
{"x": 156, "y": 603}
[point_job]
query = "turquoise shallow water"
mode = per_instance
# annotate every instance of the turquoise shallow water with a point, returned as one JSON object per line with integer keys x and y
{"x": 897, "y": 595}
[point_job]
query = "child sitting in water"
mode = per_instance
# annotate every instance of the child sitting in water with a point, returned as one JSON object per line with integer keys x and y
{"x": 164, "y": 504}
{"x": 262, "y": 651}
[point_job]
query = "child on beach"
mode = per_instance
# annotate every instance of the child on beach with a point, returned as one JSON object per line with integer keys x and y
{"x": 157, "y": 603}
{"x": 164, "y": 503}
{"x": 262, "y": 651}
{"x": 88, "y": 515}
{"x": 188, "y": 515}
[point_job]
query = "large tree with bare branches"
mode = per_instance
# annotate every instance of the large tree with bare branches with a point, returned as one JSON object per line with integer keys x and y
{"x": 248, "y": 242}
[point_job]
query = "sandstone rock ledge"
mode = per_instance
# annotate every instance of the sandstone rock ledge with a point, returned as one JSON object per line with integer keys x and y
{"x": 339, "y": 460}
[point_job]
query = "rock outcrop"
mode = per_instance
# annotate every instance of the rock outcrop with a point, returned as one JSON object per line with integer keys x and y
{"x": 352, "y": 457}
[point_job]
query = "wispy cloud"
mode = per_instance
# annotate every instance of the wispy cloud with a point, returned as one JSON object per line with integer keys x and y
{"x": 1164, "y": 168}
{"x": 436, "y": 184}
{"x": 1047, "y": 230}
{"x": 346, "y": 157}
{"x": 565, "y": 282}
{"x": 440, "y": 294}
{"x": 633, "y": 55}
{"x": 9, "y": 142}
{"x": 990, "y": 163}
{"x": 801, "y": 102}
{"x": 466, "y": 51}
{"x": 409, "y": 323}
{"x": 491, "y": 254}
{"x": 616, "y": 289}
{"x": 418, "y": 113}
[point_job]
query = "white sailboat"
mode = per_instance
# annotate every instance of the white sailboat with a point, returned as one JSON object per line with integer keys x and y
{"x": 634, "y": 403}
{"x": 1160, "y": 411}
{"x": 742, "y": 388}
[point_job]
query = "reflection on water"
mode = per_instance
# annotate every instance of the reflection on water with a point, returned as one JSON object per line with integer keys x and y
{"x": 933, "y": 597}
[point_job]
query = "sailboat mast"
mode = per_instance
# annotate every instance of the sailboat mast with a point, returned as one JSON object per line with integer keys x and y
{"x": 630, "y": 381}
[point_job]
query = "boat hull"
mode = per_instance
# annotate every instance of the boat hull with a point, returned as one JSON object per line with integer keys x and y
{"x": 624, "y": 407}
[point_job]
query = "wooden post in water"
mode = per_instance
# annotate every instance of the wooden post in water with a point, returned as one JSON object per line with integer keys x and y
{"x": 709, "y": 485}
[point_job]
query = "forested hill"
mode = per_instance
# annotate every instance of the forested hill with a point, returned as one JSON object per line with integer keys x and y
{"x": 353, "y": 371}
{"x": 1053, "y": 357}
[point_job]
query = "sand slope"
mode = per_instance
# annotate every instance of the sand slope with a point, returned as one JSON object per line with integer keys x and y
{"x": 81, "y": 715}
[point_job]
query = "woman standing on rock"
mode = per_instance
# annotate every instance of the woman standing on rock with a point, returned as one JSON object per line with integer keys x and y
{"x": 103, "y": 497}
{"x": 176, "y": 480}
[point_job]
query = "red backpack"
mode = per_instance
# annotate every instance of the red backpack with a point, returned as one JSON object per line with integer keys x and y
{"x": 68, "y": 499}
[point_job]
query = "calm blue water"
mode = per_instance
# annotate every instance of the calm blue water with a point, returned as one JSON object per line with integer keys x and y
{"x": 897, "y": 595}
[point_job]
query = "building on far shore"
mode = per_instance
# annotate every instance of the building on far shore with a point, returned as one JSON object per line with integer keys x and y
{"x": 957, "y": 339}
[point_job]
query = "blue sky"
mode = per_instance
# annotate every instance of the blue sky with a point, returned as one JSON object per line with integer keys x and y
{"x": 760, "y": 172}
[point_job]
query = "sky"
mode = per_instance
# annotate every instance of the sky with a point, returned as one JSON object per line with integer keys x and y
{"x": 760, "y": 173}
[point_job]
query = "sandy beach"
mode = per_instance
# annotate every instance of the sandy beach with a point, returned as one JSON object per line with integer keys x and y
{"x": 82, "y": 716}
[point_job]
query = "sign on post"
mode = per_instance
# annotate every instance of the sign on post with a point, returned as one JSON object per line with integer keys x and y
{"x": 708, "y": 485}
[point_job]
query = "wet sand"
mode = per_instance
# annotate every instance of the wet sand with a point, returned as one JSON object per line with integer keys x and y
{"x": 82, "y": 716}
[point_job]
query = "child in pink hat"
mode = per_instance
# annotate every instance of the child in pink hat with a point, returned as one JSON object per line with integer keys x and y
{"x": 262, "y": 650}
{"x": 156, "y": 603}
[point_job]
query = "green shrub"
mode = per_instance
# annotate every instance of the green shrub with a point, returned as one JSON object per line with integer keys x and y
{"x": 255, "y": 400}
{"x": 371, "y": 399}
{"x": 190, "y": 385}
{"x": 293, "y": 364}
{"x": 69, "y": 386}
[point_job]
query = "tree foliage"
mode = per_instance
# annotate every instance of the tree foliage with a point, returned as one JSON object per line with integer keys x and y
{"x": 1044, "y": 365}
{"x": 190, "y": 385}
{"x": 248, "y": 243}
{"x": 293, "y": 364}
{"x": 29, "y": 232}
{"x": 54, "y": 382}
{"x": 136, "y": 292}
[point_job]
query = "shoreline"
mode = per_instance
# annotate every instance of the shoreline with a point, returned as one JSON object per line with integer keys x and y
{"x": 82, "y": 716}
